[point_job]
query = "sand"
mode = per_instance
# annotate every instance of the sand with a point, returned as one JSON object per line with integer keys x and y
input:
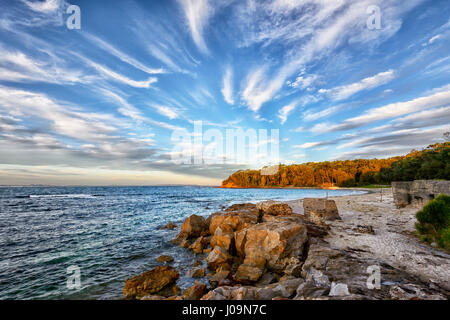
{"x": 394, "y": 241}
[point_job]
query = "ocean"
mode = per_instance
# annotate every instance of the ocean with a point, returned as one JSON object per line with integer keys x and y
{"x": 109, "y": 233}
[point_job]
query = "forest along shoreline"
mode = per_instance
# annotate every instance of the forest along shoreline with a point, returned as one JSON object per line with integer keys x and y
{"x": 302, "y": 249}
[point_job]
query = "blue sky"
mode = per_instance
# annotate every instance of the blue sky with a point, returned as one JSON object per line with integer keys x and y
{"x": 98, "y": 105}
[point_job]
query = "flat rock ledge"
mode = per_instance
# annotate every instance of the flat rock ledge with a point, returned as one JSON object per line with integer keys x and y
{"x": 266, "y": 252}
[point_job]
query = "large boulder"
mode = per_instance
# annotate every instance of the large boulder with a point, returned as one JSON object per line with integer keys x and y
{"x": 268, "y": 246}
{"x": 193, "y": 227}
{"x": 150, "y": 282}
{"x": 236, "y": 220}
{"x": 319, "y": 210}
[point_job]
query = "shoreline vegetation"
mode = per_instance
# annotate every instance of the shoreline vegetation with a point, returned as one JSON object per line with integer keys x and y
{"x": 431, "y": 163}
{"x": 312, "y": 248}
{"x": 306, "y": 249}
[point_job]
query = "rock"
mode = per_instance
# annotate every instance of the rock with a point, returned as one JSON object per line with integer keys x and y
{"x": 216, "y": 278}
{"x": 197, "y": 263}
{"x": 197, "y": 273}
{"x": 236, "y": 219}
{"x": 223, "y": 237}
{"x": 319, "y": 210}
{"x": 212, "y": 295}
{"x": 339, "y": 289}
{"x": 185, "y": 244}
{"x": 193, "y": 227}
{"x": 287, "y": 288}
{"x": 170, "y": 291}
{"x": 170, "y": 225}
{"x": 225, "y": 282}
{"x": 412, "y": 292}
{"x": 152, "y": 298}
{"x": 217, "y": 257}
{"x": 265, "y": 294}
{"x": 275, "y": 209}
{"x": 247, "y": 273}
{"x": 419, "y": 192}
{"x": 164, "y": 258}
{"x": 231, "y": 293}
{"x": 199, "y": 245}
{"x": 266, "y": 279}
{"x": 365, "y": 229}
{"x": 195, "y": 292}
{"x": 268, "y": 245}
{"x": 150, "y": 282}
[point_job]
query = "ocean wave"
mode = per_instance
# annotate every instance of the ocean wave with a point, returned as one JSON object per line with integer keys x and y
{"x": 71, "y": 196}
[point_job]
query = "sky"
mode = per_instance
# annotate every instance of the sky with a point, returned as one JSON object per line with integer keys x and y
{"x": 99, "y": 105}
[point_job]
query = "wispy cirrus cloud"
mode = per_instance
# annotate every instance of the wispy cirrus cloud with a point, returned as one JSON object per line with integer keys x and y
{"x": 121, "y": 55}
{"x": 345, "y": 91}
{"x": 198, "y": 13}
{"x": 436, "y": 99}
{"x": 227, "y": 87}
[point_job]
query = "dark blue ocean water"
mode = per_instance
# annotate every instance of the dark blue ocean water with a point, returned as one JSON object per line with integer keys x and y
{"x": 110, "y": 233}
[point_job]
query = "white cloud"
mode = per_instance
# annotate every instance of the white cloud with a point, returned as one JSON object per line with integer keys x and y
{"x": 436, "y": 99}
{"x": 198, "y": 13}
{"x": 312, "y": 115}
{"x": 227, "y": 88}
{"x": 433, "y": 39}
{"x": 121, "y": 78}
{"x": 345, "y": 91}
{"x": 17, "y": 66}
{"x": 307, "y": 145}
{"x": 122, "y": 56}
{"x": 46, "y": 6}
{"x": 169, "y": 112}
{"x": 285, "y": 111}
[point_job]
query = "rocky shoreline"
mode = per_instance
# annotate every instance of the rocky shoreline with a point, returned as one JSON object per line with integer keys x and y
{"x": 304, "y": 249}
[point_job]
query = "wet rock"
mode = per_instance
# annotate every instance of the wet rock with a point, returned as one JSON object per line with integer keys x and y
{"x": 150, "y": 282}
{"x": 193, "y": 227}
{"x": 199, "y": 245}
{"x": 195, "y": 292}
{"x": 217, "y": 257}
{"x": 339, "y": 289}
{"x": 170, "y": 225}
{"x": 197, "y": 273}
{"x": 170, "y": 291}
{"x": 164, "y": 258}
{"x": 319, "y": 210}
{"x": 216, "y": 278}
{"x": 197, "y": 263}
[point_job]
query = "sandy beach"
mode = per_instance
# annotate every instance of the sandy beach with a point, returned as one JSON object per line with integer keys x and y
{"x": 394, "y": 241}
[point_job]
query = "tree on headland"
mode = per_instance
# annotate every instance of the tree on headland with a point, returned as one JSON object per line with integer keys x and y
{"x": 433, "y": 162}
